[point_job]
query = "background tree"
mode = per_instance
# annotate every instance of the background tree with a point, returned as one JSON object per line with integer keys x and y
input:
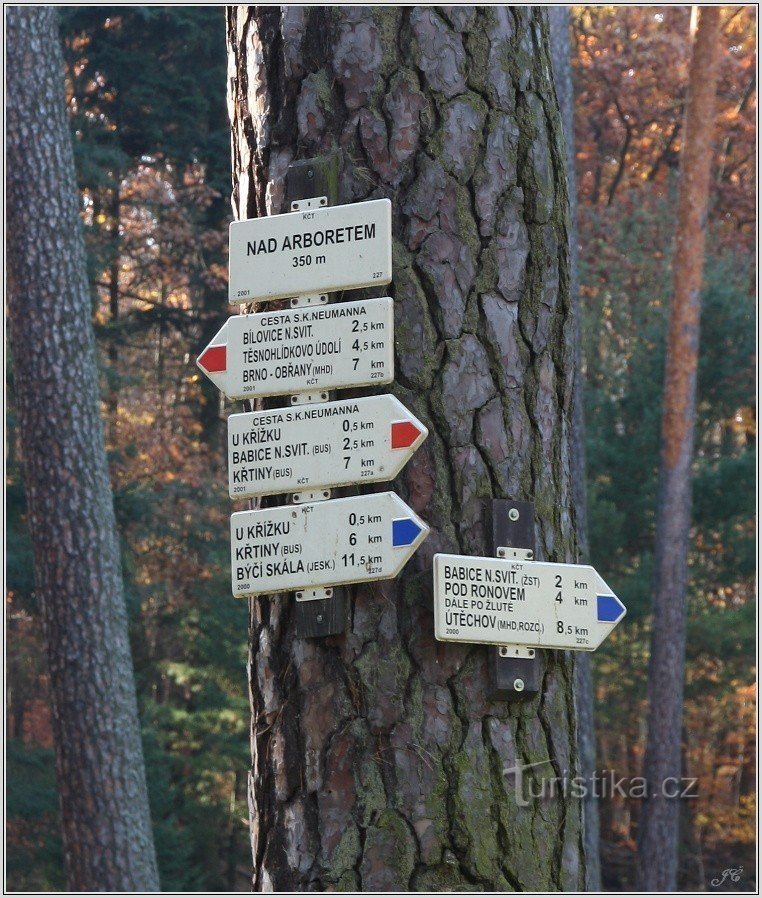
{"x": 658, "y": 832}
{"x": 377, "y": 756}
{"x": 163, "y": 442}
{"x": 625, "y": 273}
{"x": 560, "y": 50}
{"x": 107, "y": 836}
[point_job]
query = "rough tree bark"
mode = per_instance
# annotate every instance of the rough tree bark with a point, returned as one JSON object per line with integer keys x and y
{"x": 108, "y": 842}
{"x": 560, "y": 51}
{"x": 377, "y": 757}
{"x": 658, "y": 828}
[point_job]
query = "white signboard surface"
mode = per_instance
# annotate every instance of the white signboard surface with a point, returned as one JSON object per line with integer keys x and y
{"x": 529, "y": 603}
{"x": 327, "y": 543}
{"x": 323, "y": 445}
{"x": 347, "y": 344}
{"x": 315, "y": 251}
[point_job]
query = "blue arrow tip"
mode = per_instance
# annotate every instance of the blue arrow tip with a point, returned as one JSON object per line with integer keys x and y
{"x": 610, "y": 609}
{"x": 404, "y": 531}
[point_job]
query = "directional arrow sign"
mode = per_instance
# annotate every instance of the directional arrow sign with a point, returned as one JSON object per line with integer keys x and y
{"x": 320, "y": 250}
{"x": 322, "y": 445}
{"x": 347, "y": 344}
{"x": 529, "y": 603}
{"x": 322, "y": 543}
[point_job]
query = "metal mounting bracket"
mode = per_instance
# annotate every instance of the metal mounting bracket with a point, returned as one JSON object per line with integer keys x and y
{"x": 309, "y": 299}
{"x": 514, "y": 670}
{"x": 313, "y": 202}
{"x": 311, "y": 184}
{"x": 308, "y": 398}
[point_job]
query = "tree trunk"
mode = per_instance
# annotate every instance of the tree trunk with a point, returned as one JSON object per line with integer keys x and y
{"x": 560, "y": 51}
{"x": 113, "y": 309}
{"x": 108, "y": 843}
{"x": 377, "y": 756}
{"x": 658, "y": 828}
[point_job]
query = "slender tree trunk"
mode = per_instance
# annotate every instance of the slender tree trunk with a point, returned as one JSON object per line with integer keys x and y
{"x": 658, "y": 829}
{"x": 113, "y": 308}
{"x": 560, "y": 51}
{"x": 377, "y": 756}
{"x": 108, "y": 843}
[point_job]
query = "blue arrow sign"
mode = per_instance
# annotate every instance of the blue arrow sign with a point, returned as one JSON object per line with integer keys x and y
{"x": 610, "y": 609}
{"x": 404, "y": 531}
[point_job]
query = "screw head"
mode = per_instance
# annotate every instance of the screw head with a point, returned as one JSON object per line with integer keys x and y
{"x": 518, "y": 685}
{"x": 513, "y": 514}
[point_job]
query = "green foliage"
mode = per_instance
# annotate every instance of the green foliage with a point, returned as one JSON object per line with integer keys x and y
{"x": 626, "y": 284}
{"x": 150, "y": 83}
{"x": 35, "y": 863}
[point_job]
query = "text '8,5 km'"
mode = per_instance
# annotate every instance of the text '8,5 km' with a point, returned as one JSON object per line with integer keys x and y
{"x": 527, "y": 603}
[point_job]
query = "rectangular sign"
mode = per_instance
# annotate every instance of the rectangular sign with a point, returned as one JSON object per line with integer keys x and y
{"x": 328, "y": 543}
{"x": 529, "y": 603}
{"x": 323, "y": 445}
{"x": 346, "y": 344}
{"x": 315, "y": 251}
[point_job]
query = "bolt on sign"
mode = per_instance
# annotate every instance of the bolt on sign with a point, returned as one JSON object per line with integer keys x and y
{"x": 327, "y": 444}
{"x": 311, "y": 251}
{"x": 317, "y": 544}
{"x": 348, "y": 344}
{"x": 526, "y": 603}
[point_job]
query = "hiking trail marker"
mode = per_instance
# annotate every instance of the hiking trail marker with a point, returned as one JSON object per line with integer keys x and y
{"x": 509, "y": 601}
{"x": 307, "y": 349}
{"x": 319, "y": 544}
{"x": 313, "y": 250}
{"x": 307, "y": 447}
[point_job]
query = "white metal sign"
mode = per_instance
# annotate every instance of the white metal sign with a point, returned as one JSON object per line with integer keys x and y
{"x": 529, "y": 603}
{"x": 347, "y": 344}
{"x": 323, "y": 445}
{"x": 314, "y": 251}
{"x": 322, "y": 543}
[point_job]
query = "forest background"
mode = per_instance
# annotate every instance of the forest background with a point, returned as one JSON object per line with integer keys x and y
{"x": 146, "y": 98}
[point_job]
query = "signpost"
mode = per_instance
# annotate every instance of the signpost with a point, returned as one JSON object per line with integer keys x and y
{"x": 321, "y": 544}
{"x": 315, "y": 250}
{"x": 351, "y": 441}
{"x": 313, "y": 348}
{"x": 527, "y": 603}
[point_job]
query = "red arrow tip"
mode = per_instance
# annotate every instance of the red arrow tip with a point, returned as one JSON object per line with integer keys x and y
{"x": 404, "y": 434}
{"x": 214, "y": 358}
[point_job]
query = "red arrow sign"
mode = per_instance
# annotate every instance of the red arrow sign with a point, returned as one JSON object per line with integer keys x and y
{"x": 214, "y": 358}
{"x": 337, "y": 443}
{"x": 404, "y": 434}
{"x": 313, "y": 336}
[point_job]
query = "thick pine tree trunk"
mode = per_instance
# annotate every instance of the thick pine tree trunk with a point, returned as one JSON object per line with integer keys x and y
{"x": 108, "y": 842}
{"x": 377, "y": 756}
{"x": 659, "y": 819}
